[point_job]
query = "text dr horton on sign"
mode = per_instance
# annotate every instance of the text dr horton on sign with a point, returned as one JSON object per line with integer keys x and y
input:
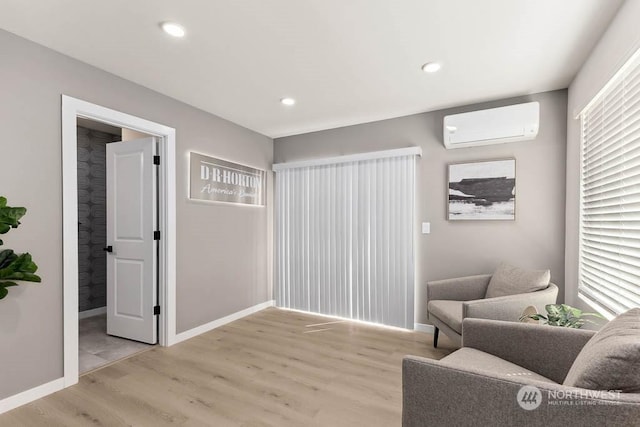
{"x": 216, "y": 180}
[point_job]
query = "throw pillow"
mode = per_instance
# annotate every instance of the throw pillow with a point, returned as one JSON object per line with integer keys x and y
{"x": 511, "y": 280}
{"x": 610, "y": 360}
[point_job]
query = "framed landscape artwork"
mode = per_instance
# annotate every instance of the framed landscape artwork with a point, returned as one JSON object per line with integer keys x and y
{"x": 483, "y": 190}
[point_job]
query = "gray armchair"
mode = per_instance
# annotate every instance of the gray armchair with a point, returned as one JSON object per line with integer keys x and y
{"x": 482, "y": 383}
{"x": 451, "y": 301}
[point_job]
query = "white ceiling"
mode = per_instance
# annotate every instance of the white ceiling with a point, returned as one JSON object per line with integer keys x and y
{"x": 344, "y": 61}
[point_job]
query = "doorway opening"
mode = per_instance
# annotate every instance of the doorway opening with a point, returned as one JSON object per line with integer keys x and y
{"x": 121, "y": 244}
{"x": 98, "y": 344}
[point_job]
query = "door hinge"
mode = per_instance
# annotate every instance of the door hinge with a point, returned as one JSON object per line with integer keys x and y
{"x": 156, "y": 310}
{"x": 156, "y": 235}
{"x": 156, "y": 160}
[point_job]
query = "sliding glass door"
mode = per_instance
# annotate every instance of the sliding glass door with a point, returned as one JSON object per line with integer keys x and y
{"x": 345, "y": 239}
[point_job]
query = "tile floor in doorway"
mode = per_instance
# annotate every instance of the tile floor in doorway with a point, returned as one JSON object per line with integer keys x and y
{"x": 97, "y": 349}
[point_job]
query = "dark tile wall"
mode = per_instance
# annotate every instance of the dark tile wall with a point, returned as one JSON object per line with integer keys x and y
{"x": 92, "y": 211}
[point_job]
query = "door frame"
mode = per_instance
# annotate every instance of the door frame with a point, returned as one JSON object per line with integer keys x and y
{"x": 71, "y": 109}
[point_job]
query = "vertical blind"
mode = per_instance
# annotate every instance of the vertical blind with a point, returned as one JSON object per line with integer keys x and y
{"x": 609, "y": 270}
{"x": 344, "y": 239}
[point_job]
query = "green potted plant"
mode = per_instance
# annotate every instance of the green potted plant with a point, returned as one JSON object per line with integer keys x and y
{"x": 13, "y": 267}
{"x": 562, "y": 315}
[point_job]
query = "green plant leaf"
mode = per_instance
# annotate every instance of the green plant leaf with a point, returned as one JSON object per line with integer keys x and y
{"x": 8, "y": 284}
{"x": 554, "y": 319}
{"x": 19, "y": 267}
{"x": 6, "y": 256}
{"x": 13, "y": 266}
{"x": 566, "y": 316}
{"x": 553, "y": 310}
{"x": 30, "y": 277}
{"x": 9, "y": 216}
{"x": 3, "y": 288}
{"x": 572, "y": 311}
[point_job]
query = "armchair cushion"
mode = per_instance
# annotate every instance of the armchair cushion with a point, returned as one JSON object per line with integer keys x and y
{"x": 449, "y": 312}
{"x": 611, "y": 358}
{"x": 534, "y": 347}
{"x": 511, "y": 280}
{"x": 435, "y": 394}
{"x": 479, "y": 361}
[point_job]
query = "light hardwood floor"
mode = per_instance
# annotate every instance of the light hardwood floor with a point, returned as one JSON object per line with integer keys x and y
{"x": 267, "y": 369}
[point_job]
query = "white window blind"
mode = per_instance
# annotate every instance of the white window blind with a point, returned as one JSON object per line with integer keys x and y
{"x": 344, "y": 239}
{"x": 609, "y": 270}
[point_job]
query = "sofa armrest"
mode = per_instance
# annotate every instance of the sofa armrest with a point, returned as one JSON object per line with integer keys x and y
{"x": 509, "y": 307}
{"x": 458, "y": 289}
{"x": 547, "y": 350}
{"x": 436, "y": 395}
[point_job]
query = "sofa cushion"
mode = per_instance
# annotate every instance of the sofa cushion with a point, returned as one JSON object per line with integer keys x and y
{"x": 511, "y": 280}
{"x": 610, "y": 360}
{"x": 449, "y": 312}
{"x": 471, "y": 359}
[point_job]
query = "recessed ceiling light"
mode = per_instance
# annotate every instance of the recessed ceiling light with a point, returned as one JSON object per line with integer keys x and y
{"x": 431, "y": 67}
{"x": 173, "y": 29}
{"x": 287, "y": 101}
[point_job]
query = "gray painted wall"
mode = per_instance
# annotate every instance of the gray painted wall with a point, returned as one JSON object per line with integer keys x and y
{"x": 618, "y": 43}
{"x": 224, "y": 251}
{"x": 534, "y": 240}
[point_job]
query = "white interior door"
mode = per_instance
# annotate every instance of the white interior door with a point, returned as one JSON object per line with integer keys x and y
{"x": 131, "y": 250}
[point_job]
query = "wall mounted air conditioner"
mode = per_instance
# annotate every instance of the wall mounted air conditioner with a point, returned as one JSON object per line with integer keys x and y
{"x": 493, "y": 126}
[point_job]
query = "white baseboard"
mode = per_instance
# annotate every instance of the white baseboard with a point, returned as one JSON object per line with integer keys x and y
{"x": 182, "y": 336}
{"x": 27, "y": 396}
{"x": 93, "y": 312}
{"x": 423, "y": 327}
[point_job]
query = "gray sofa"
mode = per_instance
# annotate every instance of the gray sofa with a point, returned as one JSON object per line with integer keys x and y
{"x": 478, "y": 385}
{"x": 452, "y": 300}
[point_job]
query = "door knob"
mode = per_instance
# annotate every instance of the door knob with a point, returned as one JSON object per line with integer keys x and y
{"x": 108, "y": 249}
